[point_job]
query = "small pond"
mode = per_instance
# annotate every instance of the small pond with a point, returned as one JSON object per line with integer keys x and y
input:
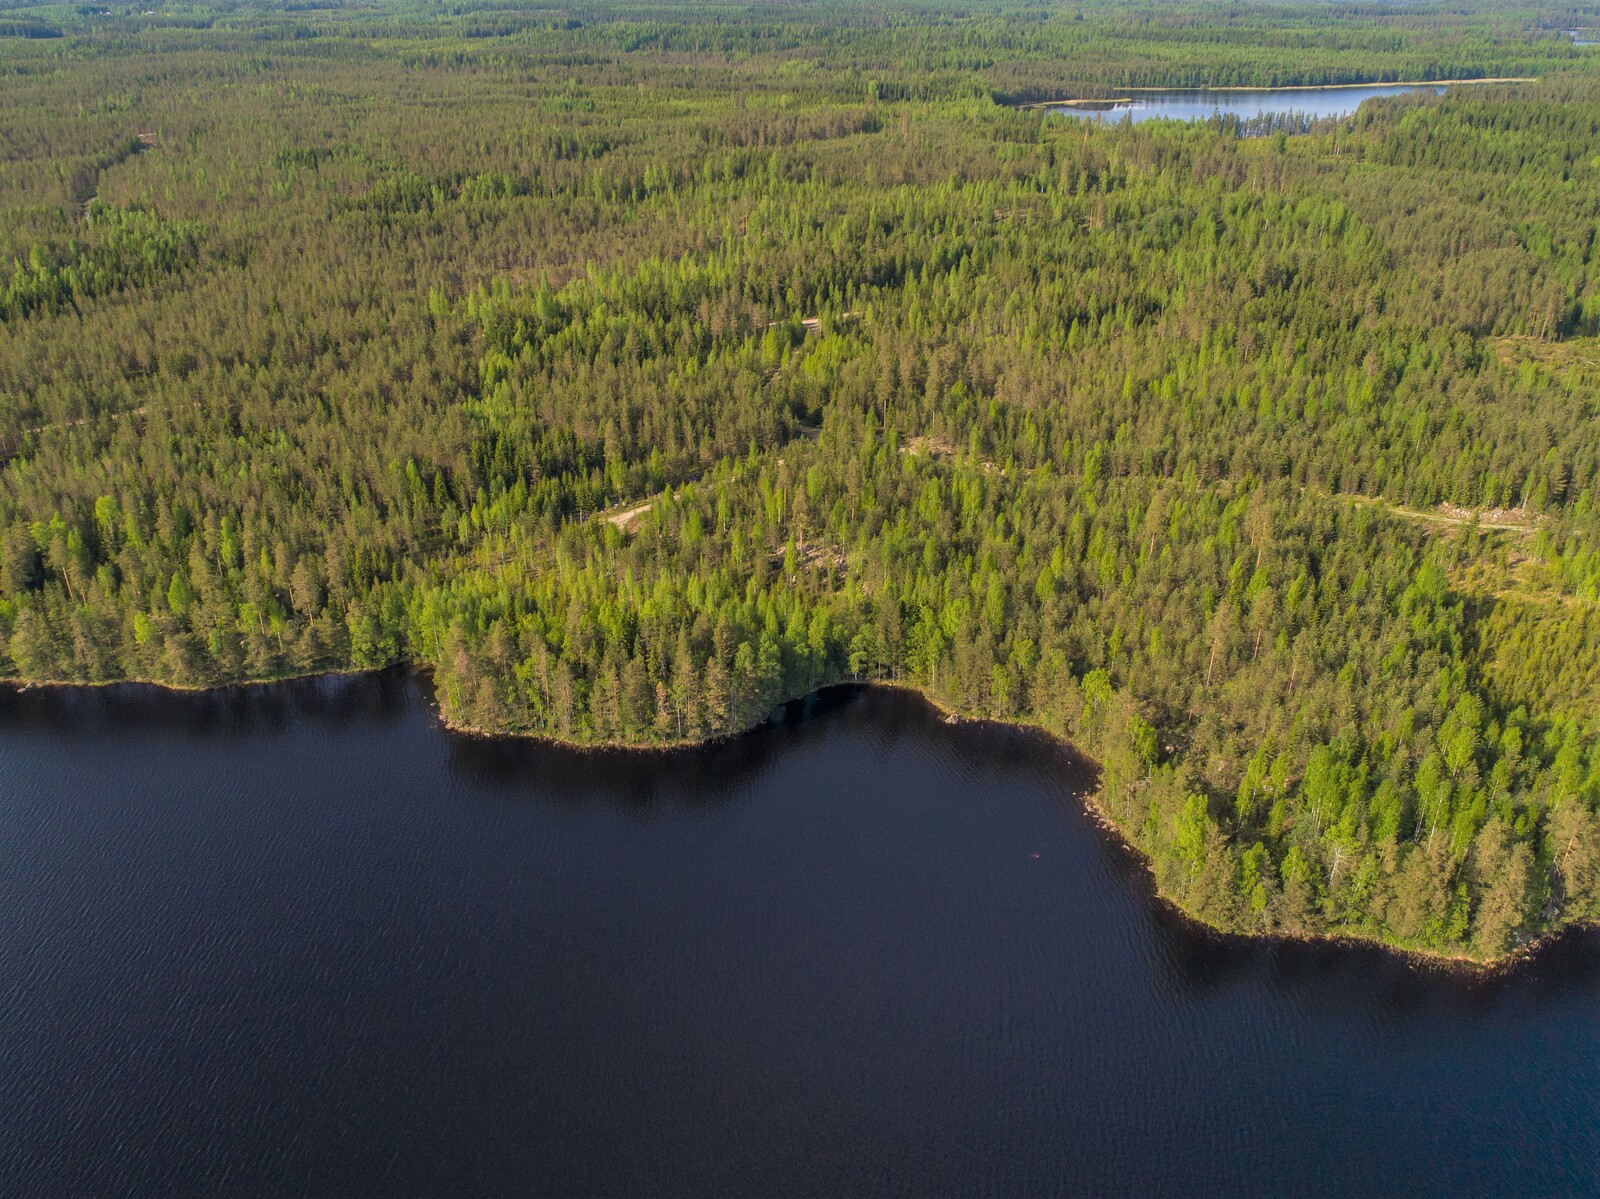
{"x": 1197, "y": 104}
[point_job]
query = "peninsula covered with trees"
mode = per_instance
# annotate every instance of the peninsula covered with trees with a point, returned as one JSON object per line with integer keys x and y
{"x": 636, "y": 367}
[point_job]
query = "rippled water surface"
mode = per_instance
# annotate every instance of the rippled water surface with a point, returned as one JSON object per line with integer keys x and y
{"x": 1200, "y": 103}
{"x": 298, "y": 941}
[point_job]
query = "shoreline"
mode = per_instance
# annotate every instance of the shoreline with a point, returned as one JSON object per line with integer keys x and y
{"x": 1092, "y": 800}
{"x": 1147, "y": 89}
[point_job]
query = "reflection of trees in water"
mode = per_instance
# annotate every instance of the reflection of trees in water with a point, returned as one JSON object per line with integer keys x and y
{"x": 724, "y": 771}
{"x": 1351, "y": 977}
{"x": 341, "y": 701}
{"x": 689, "y": 776}
{"x": 704, "y": 775}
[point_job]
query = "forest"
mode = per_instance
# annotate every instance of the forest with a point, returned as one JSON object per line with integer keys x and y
{"x": 636, "y": 367}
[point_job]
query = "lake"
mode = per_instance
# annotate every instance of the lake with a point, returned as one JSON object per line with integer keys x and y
{"x": 299, "y": 940}
{"x": 1244, "y": 103}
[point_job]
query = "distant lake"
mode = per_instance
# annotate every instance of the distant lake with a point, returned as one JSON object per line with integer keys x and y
{"x": 1200, "y": 104}
{"x": 299, "y": 941}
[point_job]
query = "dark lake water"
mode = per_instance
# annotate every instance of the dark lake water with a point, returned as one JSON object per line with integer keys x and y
{"x": 1199, "y": 104}
{"x": 298, "y": 941}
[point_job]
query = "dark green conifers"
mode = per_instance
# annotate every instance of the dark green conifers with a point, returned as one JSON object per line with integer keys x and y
{"x": 636, "y": 387}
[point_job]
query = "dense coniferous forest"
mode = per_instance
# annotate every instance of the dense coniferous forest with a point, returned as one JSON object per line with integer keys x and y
{"x": 635, "y": 367}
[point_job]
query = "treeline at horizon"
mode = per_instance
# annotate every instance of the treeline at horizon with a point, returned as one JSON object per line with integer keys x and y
{"x": 636, "y": 371}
